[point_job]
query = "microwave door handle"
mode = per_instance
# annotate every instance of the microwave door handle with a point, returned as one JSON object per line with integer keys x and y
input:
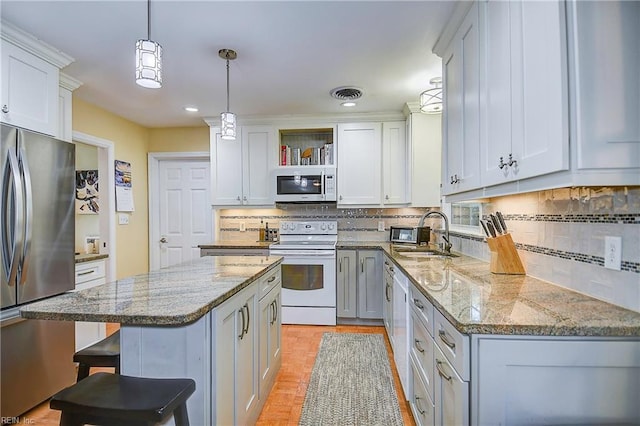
{"x": 15, "y": 246}
{"x": 324, "y": 196}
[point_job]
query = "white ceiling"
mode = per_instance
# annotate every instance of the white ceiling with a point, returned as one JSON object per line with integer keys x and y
{"x": 290, "y": 54}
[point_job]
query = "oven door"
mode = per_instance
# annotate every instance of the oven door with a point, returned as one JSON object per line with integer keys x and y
{"x": 309, "y": 280}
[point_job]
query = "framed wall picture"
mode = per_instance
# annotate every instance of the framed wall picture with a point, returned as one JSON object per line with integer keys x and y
{"x": 87, "y": 199}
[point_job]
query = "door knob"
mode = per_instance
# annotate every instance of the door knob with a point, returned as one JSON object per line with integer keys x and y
{"x": 5, "y": 109}
{"x": 163, "y": 240}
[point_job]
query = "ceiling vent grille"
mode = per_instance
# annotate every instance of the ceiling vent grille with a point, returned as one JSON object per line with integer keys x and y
{"x": 346, "y": 93}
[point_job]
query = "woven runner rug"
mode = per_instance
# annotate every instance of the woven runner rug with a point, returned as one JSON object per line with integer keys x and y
{"x": 351, "y": 383}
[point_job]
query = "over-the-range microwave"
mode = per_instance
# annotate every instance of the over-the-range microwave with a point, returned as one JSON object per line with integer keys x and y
{"x": 305, "y": 184}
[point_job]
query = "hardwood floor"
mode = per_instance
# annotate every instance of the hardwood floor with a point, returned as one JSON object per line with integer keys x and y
{"x": 300, "y": 345}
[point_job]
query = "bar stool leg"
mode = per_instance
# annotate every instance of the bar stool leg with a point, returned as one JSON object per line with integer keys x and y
{"x": 83, "y": 371}
{"x": 181, "y": 416}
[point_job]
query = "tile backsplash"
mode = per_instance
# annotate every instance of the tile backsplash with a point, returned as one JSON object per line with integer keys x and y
{"x": 559, "y": 234}
{"x": 353, "y": 224}
{"x": 560, "y": 237}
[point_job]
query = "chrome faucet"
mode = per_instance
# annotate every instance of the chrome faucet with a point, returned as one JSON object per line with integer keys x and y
{"x": 445, "y": 237}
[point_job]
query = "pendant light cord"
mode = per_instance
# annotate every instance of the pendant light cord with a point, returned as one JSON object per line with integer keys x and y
{"x": 228, "y": 84}
{"x": 148, "y": 19}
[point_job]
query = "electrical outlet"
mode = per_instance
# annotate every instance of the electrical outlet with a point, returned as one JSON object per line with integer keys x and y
{"x": 123, "y": 219}
{"x": 381, "y": 225}
{"x": 613, "y": 253}
{"x": 243, "y": 227}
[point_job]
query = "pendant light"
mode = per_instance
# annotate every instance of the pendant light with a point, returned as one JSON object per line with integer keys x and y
{"x": 431, "y": 99}
{"x": 148, "y": 58}
{"x": 227, "y": 118}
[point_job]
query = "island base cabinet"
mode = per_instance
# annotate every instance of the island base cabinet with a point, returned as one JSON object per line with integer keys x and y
{"x": 556, "y": 381}
{"x": 173, "y": 352}
{"x": 236, "y": 359}
{"x": 270, "y": 339}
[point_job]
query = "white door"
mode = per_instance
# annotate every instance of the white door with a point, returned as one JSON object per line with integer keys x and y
{"x": 185, "y": 219}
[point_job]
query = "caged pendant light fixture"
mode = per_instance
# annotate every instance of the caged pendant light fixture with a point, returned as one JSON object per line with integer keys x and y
{"x": 431, "y": 99}
{"x": 148, "y": 59}
{"x": 227, "y": 118}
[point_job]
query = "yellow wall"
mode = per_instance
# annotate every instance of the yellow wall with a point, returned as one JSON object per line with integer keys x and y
{"x": 179, "y": 139}
{"x": 131, "y": 142}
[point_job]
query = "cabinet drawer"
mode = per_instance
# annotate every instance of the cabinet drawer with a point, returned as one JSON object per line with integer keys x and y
{"x": 421, "y": 405}
{"x": 423, "y": 308}
{"x": 422, "y": 350}
{"x": 268, "y": 282}
{"x": 89, "y": 271}
{"x": 454, "y": 345}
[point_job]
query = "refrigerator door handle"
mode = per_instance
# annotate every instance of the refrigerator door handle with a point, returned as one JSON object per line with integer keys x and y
{"x": 28, "y": 224}
{"x": 15, "y": 247}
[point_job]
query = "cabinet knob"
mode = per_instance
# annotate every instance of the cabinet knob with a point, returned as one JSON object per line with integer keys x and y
{"x": 386, "y": 197}
{"x": 238, "y": 198}
{"x": 244, "y": 198}
{"x": 340, "y": 198}
{"x": 163, "y": 240}
{"x": 512, "y": 162}
{"x": 5, "y": 109}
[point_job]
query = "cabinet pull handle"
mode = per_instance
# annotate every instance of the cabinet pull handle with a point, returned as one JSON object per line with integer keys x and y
{"x": 386, "y": 293}
{"x": 443, "y": 336}
{"x": 241, "y": 310}
{"x": 238, "y": 198}
{"x": 454, "y": 179}
{"x": 91, "y": 271}
{"x": 246, "y": 306}
{"x": 419, "y": 304}
{"x": 420, "y": 410}
{"x": 361, "y": 265}
{"x": 502, "y": 164}
{"x": 270, "y": 280}
{"x": 386, "y": 197}
{"x": 416, "y": 343}
{"x": 273, "y": 313}
{"x": 340, "y": 265}
{"x": 5, "y": 109}
{"x": 244, "y": 198}
{"x": 441, "y": 371}
{"x": 275, "y": 309}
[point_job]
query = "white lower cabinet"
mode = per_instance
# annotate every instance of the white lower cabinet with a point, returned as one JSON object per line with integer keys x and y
{"x": 359, "y": 284}
{"x": 270, "y": 334}
{"x": 89, "y": 274}
{"x": 439, "y": 395}
{"x": 555, "y": 380}
{"x": 236, "y": 364}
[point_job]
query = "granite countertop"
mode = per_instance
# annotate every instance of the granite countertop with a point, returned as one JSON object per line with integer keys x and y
{"x": 82, "y": 258}
{"x": 237, "y": 245}
{"x": 176, "y": 295}
{"x": 476, "y": 301}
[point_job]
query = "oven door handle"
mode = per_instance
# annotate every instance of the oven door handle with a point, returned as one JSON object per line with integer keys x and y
{"x": 305, "y": 253}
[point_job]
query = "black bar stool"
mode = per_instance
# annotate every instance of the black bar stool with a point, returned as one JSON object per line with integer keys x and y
{"x": 107, "y": 399}
{"x": 105, "y": 353}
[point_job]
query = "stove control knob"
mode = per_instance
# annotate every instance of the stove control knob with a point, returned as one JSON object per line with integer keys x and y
{"x": 323, "y": 226}
{"x": 331, "y": 226}
{"x": 284, "y": 226}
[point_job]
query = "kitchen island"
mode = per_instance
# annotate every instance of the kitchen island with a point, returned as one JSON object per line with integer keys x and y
{"x": 213, "y": 319}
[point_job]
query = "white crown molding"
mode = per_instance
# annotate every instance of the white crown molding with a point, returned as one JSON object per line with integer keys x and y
{"x": 311, "y": 120}
{"x": 68, "y": 82}
{"x": 411, "y": 108}
{"x": 458, "y": 15}
{"x": 31, "y": 44}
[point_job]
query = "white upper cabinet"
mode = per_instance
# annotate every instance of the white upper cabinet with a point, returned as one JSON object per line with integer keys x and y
{"x": 524, "y": 98}
{"x": 395, "y": 163}
{"x": 424, "y": 141}
{"x": 359, "y": 163}
{"x": 605, "y": 63}
{"x": 240, "y": 169}
{"x": 29, "y": 91}
{"x": 461, "y": 131}
{"x": 29, "y": 79}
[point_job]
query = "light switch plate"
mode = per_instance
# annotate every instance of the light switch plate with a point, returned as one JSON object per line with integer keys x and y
{"x": 243, "y": 227}
{"x": 381, "y": 225}
{"x": 613, "y": 253}
{"x": 123, "y": 219}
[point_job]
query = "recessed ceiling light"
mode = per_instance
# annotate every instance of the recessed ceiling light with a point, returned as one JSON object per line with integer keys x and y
{"x": 191, "y": 109}
{"x": 348, "y": 104}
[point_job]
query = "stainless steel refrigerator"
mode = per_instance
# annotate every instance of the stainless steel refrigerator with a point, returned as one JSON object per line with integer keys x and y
{"x": 37, "y": 261}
